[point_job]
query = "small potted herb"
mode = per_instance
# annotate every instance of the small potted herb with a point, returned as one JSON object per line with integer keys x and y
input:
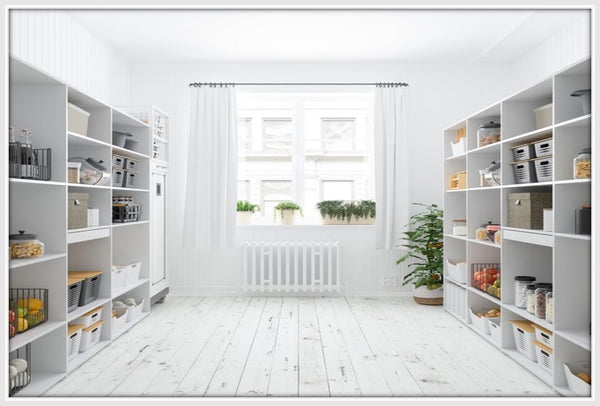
{"x": 245, "y": 210}
{"x": 347, "y": 212}
{"x": 288, "y": 212}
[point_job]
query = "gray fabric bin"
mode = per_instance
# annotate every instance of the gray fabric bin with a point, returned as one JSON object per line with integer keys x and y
{"x": 78, "y": 206}
{"x": 526, "y": 210}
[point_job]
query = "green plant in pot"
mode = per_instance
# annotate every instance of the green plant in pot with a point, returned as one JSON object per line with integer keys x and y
{"x": 347, "y": 212}
{"x": 424, "y": 242}
{"x": 287, "y": 211}
{"x": 245, "y": 209}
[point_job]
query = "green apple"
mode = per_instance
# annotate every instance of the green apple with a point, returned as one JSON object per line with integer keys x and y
{"x": 22, "y": 312}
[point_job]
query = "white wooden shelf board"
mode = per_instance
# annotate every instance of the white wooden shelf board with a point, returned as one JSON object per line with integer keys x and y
{"x": 457, "y": 157}
{"x": 458, "y": 237}
{"x": 129, "y": 189}
{"x": 160, "y": 139}
{"x": 578, "y": 337}
{"x": 92, "y": 233}
{"x": 82, "y": 140}
{"x": 530, "y": 366}
{"x": 127, "y": 152}
{"x": 572, "y": 181}
{"x": 127, "y": 288}
{"x": 19, "y": 263}
{"x": 585, "y": 237}
{"x": 90, "y": 306}
{"x": 121, "y": 118}
{"x": 129, "y": 325}
{"x": 472, "y": 189}
{"x": 537, "y": 237}
{"x": 33, "y": 334}
{"x": 35, "y": 182}
{"x": 84, "y": 356}
{"x": 484, "y": 295}
{"x": 488, "y": 243}
{"x": 448, "y": 279}
{"x": 131, "y": 223}
{"x": 455, "y": 190}
{"x": 495, "y": 147}
{"x": 564, "y": 391}
{"x": 581, "y": 121}
{"x": 521, "y": 185}
{"x": 40, "y": 383}
{"x": 84, "y": 186}
{"x": 529, "y": 136}
{"x": 528, "y": 316}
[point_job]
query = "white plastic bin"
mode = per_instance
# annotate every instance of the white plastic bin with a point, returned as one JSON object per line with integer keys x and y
{"x": 544, "y": 336}
{"x": 545, "y": 356}
{"x": 78, "y": 120}
{"x": 132, "y": 273}
{"x": 524, "y": 337}
{"x": 543, "y": 116}
{"x": 135, "y": 311}
{"x": 460, "y": 147}
{"x": 90, "y": 317}
{"x": 480, "y": 323}
{"x": 117, "y": 277}
{"x": 119, "y": 322}
{"x": 576, "y": 384}
{"x": 74, "y": 333}
{"x": 495, "y": 329}
{"x": 91, "y": 336}
{"x": 457, "y": 270}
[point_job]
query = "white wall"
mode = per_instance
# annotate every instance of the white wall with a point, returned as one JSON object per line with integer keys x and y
{"x": 57, "y": 44}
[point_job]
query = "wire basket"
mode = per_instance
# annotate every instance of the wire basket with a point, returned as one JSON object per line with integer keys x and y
{"x": 19, "y": 369}
{"x": 486, "y": 277}
{"x": 25, "y": 162}
{"x": 30, "y": 307}
{"x": 125, "y": 213}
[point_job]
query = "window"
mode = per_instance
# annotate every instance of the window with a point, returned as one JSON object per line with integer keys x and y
{"x": 304, "y": 148}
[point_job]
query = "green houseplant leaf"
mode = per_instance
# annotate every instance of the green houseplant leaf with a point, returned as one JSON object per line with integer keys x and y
{"x": 246, "y": 206}
{"x": 286, "y": 206}
{"x": 346, "y": 209}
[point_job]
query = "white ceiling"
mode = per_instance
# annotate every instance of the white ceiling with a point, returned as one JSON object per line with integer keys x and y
{"x": 446, "y": 36}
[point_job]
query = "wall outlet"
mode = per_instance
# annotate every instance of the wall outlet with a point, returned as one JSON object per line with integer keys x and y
{"x": 389, "y": 281}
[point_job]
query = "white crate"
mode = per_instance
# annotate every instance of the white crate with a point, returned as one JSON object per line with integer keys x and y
{"x": 91, "y": 336}
{"x": 543, "y": 148}
{"x": 524, "y": 337}
{"x": 543, "y": 169}
{"x": 543, "y": 116}
{"x": 132, "y": 273}
{"x": 131, "y": 164}
{"x": 543, "y": 336}
{"x": 118, "y": 177}
{"x": 545, "y": 356}
{"x": 495, "y": 329}
{"x": 118, "y": 161}
{"x": 134, "y": 311}
{"x": 457, "y": 270}
{"x": 90, "y": 317}
{"x": 77, "y": 120}
{"x": 129, "y": 179}
{"x": 119, "y": 322}
{"x": 74, "y": 340}
{"x": 480, "y": 323}
{"x": 576, "y": 385}
{"x": 460, "y": 147}
{"x": 522, "y": 152}
{"x": 117, "y": 277}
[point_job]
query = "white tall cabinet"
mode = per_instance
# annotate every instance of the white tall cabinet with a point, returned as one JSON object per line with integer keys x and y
{"x": 560, "y": 257}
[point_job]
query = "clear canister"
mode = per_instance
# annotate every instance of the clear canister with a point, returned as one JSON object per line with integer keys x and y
{"x": 550, "y": 307}
{"x": 488, "y": 134}
{"x": 540, "y": 299}
{"x": 531, "y": 298}
{"x": 582, "y": 164}
{"x": 521, "y": 283}
{"x": 25, "y": 245}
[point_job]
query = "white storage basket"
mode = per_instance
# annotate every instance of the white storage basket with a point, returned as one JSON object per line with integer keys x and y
{"x": 132, "y": 273}
{"x": 131, "y": 164}
{"x": 543, "y": 116}
{"x": 543, "y": 336}
{"x": 90, "y": 317}
{"x": 74, "y": 333}
{"x": 524, "y": 337}
{"x": 118, "y": 275}
{"x": 457, "y": 270}
{"x": 495, "y": 329}
{"x": 577, "y": 385}
{"x": 135, "y": 311}
{"x": 77, "y": 120}
{"x": 91, "y": 336}
{"x": 118, "y": 177}
{"x": 543, "y": 169}
{"x": 522, "y": 152}
{"x": 119, "y": 322}
{"x": 543, "y": 148}
{"x": 524, "y": 172}
{"x": 480, "y": 323}
{"x": 129, "y": 179}
{"x": 118, "y": 161}
{"x": 460, "y": 147}
{"x": 545, "y": 357}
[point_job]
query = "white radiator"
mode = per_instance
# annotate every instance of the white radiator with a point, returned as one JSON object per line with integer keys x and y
{"x": 312, "y": 266}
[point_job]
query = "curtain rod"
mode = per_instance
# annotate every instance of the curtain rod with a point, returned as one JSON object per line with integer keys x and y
{"x": 381, "y": 84}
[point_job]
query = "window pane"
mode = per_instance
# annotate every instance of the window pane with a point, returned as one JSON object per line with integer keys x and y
{"x": 274, "y": 192}
{"x": 338, "y": 134}
{"x": 243, "y": 192}
{"x": 337, "y": 190}
{"x": 277, "y": 135}
{"x": 244, "y": 133}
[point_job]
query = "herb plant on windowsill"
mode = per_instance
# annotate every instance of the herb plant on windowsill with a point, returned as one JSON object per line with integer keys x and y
{"x": 347, "y": 212}
{"x": 425, "y": 245}
{"x": 245, "y": 210}
{"x": 287, "y": 211}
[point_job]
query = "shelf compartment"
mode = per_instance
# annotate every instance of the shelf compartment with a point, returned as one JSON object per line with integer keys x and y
{"x": 581, "y": 121}
{"x": 569, "y": 142}
{"x": 536, "y": 237}
{"x": 40, "y": 383}
{"x": 84, "y": 309}
{"x": 84, "y": 356}
{"x": 129, "y": 287}
{"x": 567, "y": 198}
{"x": 575, "y": 78}
{"x": 518, "y": 116}
{"x": 29, "y": 336}
{"x": 485, "y": 296}
{"x": 531, "y": 366}
{"x": 523, "y": 313}
{"x": 19, "y": 263}
{"x": 578, "y": 337}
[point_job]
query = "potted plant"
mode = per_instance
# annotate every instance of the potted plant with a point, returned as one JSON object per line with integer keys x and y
{"x": 347, "y": 212}
{"x": 245, "y": 209}
{"x": 425, "y": 244}
{"x": 288, "y": 212}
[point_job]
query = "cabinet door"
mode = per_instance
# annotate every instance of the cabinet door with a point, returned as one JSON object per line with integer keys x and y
{"x": 158, "y": 228}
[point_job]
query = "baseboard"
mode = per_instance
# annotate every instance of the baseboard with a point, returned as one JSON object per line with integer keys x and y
{"x": 225, "y": 290}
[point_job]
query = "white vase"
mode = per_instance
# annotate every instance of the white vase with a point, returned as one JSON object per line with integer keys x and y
{"x": 287, "y": 217}
{"x": 422, "y": 295}
{"x": 244, "y": 217}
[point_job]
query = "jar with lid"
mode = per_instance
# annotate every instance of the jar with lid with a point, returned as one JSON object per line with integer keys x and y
{"x": 521, "y": 283}
{"x": 582, "y": 164}
{"x": 550, "y": 307}
{"x": 459, "y": 227}
{"x": 488, "y": 134}
{"x": 25, "y": 246}
{"x": 481, "y": 232}
{"x": 540, "y": 299}
{"x": 531, "y": 298}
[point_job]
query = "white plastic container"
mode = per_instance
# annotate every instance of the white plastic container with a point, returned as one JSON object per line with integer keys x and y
{"x": 90, "y": 317}
{"x": 495, "y": 329}
{"x": 93, "y": 216}
{"x": 132, "y": 273}
{"x": 457, "y": 270}
{"x": 460, "y": 147}
{"x": 77, "y": 120}
{"x": 543, "y": 116}
{"x": 91, "y": 336}
{"x": 577, "y": 385}
{"x": 119, "y": 322}
{"x": 74, "y": 333}
{"x": 117, "y": 277}
{"x": 544, "y": 336}
{"x": 544, "y": 356}
{"x": 135, "y": 311}
{"x": 480, "y": 323}
{"x": 548, "y": 220}
{"x": 524, "y": 337}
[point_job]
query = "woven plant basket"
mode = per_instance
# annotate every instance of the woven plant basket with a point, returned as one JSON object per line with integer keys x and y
{"x": 424, "y": 296}
{"x": 429, "y": 301}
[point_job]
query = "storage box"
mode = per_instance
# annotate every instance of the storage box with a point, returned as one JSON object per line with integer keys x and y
{"x": 524, "y": 172}
{"x": 117, "y": 278}
{"x": 91, "y": 336}
{"x": 522, "y": 152}
{"x": 544, "y": 336}
{"x": 74, "y": 333}
{"x": 129, "y": 179}
{"x": 543, "y": 147}
{"x": 543, "y": 116}
{"x": 90, "y": 286}
{"x": 118, "y": 161}
{"x": 458, "y": 181}
{"x": 77, "y": 209}
{"x": 131, "y": 164}
{"x": 457, "y": 270}
{"x": 548, "y": 220}
{"x": 543, "y": 169}
{"x": 495, "y": 329}
{"x": 73, "y": 171}
{"x": 480, "y": 323}
{"x": 132, "y": 273}
{"x": 524, "y": 337}
{"x": 544, "y": 356}
{"x": 119, "y": 322}
{"x": 73, "y": 292}
{"x": 77, "y": 120}
{"x": 90, "y": 317}
{"x": 119, "y": 138}
{"x": 135, "y": 311}
{"x": 459, "y": 148}
{"x": 526, "y": 210}
{"x": 118, "y": 177}
{"x": 93, "y": 218}
{"x": 576, "y": 384}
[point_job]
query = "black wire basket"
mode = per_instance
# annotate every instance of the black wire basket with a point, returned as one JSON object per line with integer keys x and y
{"x": 28, "y": 308}
{"x": 19, "y": 370}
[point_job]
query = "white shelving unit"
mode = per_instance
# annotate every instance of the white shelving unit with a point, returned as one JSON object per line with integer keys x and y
{"x": 560, "y": 257}
{"x": 39, "y": 102}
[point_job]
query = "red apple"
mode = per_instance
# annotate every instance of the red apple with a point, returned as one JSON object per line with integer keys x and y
{"x": 11, "y": 316}
{"x": 11, "y": 330}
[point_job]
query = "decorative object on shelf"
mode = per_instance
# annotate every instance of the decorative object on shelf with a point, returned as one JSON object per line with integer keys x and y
{"x": 585, "y": 98}
{"x": 521, "y": 283}
{"x": 92, "y": 172}
{"x": 486, "y": 277}
{"x": 548, "y": 220}
{"x": 26, "y": 162}
{"x": 125, "y": 210}
{"x": 582, "y": 164}
{"x": 77, "y": 204}
{"x": 245, "y": 210}
{"x": 550, "y": 307}
{"x": 459, "y": 146}
{"x": 73, "y": 170}
{"x": 583, "y": 220}
{"x": 93, "y": 217}
{"x": 488, "y": 134}
{"x": 458, "y": 181}
{"x": 77, "y": 119}
{"x": 288, "y": 212}
{"x": 25, "y": 246}
{"x": 90, "y": 285}
{"x": 19, "y": 369}
{"x": 459, "y": 227}
{"x": 579, "y": 379}
{"x": 119, "y": 138}
{"x": 424, "y": 242}
{"x": 487, "y": 232}
{"x": 30, "y": 306}
{"x": 526, "y": 210}
{"x": 540, "y": 299}
{"x": 347, "y": 212}
{"x": 498, "y": 237}
{"x": 543, "y": 116}
{"x": 491, "y": 176}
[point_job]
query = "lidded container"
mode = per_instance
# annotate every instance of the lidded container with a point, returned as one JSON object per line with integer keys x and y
{"x": 92, "y": 172}
{"x": 582, "y": 164}
{"x": 585, "y": 97}
{"x": 531, "y": 297}
{"x": 550, "y": 307}
{"x": 25, "y": 245}
{"x": 521, "y": 283}
{"x": 459, "y": 227}
{"x": 540, "y": 299}
{"x": 490, "y": 176}
{"x": 488, "y": 134}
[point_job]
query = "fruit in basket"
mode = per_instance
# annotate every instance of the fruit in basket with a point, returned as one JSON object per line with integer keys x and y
{"x": 493, "y": 313}
{"x": 11, "y": 316}
{"x": 11, "y": 330}
{"x": 34, "y": 318}
{"x": 22, "y": 312}
{"x": 32, "y": 304}
{"x": 585, "y": 377}
{"x": 497, "y": 283}
{"x": 22, "y": 324}
{"x": 484, "y": 286}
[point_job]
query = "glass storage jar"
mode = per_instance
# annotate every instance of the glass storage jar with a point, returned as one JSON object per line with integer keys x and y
{"x": 582, "y": 164}
{"x": 531, "y": 298}
{"x": 521, "y": 283}
{"x": 25, "y": 246}
{"x": 540, "y": 299}
{"x": 459, "y": 227}
{"x": 488, "y": 134}
{"x": 550, "y": 307}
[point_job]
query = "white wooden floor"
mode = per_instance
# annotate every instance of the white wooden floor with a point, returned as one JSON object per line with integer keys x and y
{"x": 257, "y": 346}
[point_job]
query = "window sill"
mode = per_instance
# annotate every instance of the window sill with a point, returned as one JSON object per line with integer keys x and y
{"x": 330, "y": 226}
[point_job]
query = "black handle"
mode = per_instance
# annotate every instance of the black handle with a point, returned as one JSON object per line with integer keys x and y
{"x": 73, "y": 335}
{"x": 95, "y": 278}
{"x": 72, "y": 287}
{"x": 546, "y": 336}
{"x": 545, "y": 353}
{"x": 94, "y": 330}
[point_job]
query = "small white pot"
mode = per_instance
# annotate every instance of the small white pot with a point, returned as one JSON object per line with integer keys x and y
{"x": 287, "y": 217}
{"x": 244, "y": 217}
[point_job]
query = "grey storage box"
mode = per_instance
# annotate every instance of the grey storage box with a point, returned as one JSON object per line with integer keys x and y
{"x": 78, "y": 207}
{"x": 526, "y": 210}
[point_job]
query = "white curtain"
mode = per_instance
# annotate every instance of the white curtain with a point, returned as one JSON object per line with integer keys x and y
{"x": 211, "y": 184}
{"x": 391, "y": 167}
